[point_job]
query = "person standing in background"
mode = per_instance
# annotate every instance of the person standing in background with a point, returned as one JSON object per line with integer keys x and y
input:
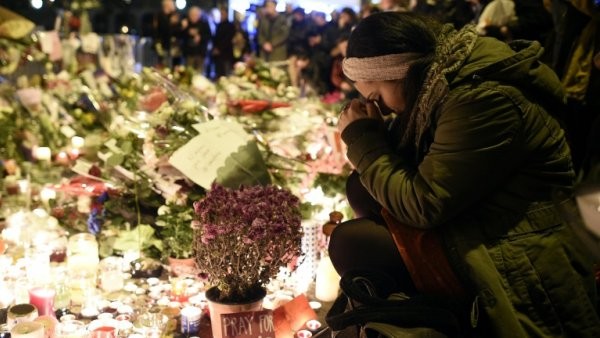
{"x": 297, "y": 43}
{"x": 167, "y": 29}
{"x": 241, "y": 40}
{"x": 273, "y": 32}
{"x": 575, "y": 56}
{"x": 196, "y": 36}
{"x": 222, "y": 52}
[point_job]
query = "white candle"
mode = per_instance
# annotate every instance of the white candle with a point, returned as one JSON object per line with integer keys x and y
{"x": 23, "y": 186}
{"x": 111, "y": 275}
{"x": 303, "y": 334}
{"x": 43, "y": 153}
{"x": 327, "y": 284}
{"x": 313, "y": 324}
{"x": 77, "y": 142}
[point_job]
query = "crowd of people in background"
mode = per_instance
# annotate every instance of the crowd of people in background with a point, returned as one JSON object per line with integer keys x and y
{"x": 311, "y": 45}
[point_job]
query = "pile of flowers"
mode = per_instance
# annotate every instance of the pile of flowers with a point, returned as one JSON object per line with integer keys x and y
{"x": 110, "y": 140}
{"x": 243, "y": 237}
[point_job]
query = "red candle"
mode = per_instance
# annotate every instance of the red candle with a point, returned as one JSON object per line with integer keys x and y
{"x": 103, "y": 332}
{"x": 43, "y": 299}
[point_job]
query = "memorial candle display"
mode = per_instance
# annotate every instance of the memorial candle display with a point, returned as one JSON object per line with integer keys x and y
{"x": 43, "y": 299}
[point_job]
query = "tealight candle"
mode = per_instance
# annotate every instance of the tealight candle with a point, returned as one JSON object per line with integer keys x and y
{"x": 313, "y": 325}
{"x": 315, "y": 305}
{"x": 303, "y": 334}
{"x": 43, "y": 299}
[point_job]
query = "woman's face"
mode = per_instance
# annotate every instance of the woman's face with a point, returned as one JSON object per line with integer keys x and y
{"x": 388, "y": 95}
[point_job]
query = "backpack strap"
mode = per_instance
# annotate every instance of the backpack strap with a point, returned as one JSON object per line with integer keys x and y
{"x": 360, "y": 303}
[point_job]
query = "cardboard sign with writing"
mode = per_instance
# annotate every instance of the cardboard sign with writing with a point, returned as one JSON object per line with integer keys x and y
{"x": 253, "y": 324}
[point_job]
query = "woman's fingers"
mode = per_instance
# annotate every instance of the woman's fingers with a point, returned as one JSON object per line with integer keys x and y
{"x": 373, "y": 110}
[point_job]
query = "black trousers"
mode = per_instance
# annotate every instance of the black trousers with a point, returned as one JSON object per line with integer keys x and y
{"x": 365, "y": 242}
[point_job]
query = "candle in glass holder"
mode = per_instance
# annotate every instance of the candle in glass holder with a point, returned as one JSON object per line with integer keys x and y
{"x": 43, "y": 299}
{"x": 111, "y": 274}
{"x": 82, "y": 256}
{"x": 178, "y": 289}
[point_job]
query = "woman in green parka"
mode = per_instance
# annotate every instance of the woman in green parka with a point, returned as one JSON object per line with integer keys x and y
{"x": 455, "y": 135}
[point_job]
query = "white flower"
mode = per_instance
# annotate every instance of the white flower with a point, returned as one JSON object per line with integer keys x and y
{"x": 163, "y": 210}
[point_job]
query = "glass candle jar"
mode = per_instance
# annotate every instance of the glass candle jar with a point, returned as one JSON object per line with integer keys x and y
{"x": 82, "y": 257}
{"x": 111, "y": 274}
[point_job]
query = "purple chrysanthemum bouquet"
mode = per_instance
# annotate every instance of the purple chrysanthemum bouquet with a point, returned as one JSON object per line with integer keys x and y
{"x": 243, "y": 236}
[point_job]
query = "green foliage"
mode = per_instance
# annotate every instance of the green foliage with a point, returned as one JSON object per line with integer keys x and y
{"x": 174, "y": 224}
{"x": 139, "y": 238}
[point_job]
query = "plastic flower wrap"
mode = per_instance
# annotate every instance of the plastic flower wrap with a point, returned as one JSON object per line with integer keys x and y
{"x": 254, "y": 88}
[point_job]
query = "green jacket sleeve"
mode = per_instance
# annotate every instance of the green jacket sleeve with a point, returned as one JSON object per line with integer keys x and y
{"x": 472, "y": 152}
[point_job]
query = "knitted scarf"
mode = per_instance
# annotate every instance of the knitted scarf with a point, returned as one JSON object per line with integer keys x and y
{"x": 452, "y": 49}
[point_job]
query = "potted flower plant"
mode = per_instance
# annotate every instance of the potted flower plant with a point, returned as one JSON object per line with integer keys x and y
{"x": 175, "y": 229}
{"x": 242, "y": 238}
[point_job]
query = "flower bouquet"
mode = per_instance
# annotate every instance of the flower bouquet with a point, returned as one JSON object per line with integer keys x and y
{"x": 243, "y": 236}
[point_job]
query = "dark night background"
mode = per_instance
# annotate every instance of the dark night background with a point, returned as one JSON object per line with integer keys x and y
{"x": 108, "y": 19}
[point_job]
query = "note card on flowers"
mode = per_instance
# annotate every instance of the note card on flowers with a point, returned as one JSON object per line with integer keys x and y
{"x": 223, "y": 152}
